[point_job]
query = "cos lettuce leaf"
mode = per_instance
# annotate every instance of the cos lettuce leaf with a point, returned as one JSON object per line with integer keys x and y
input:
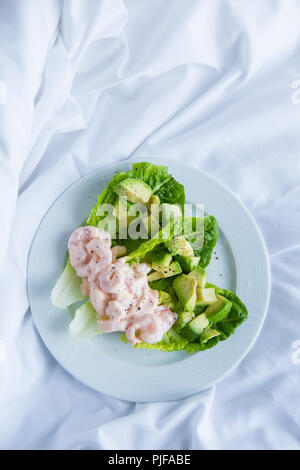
{"x": 237, "y": 315}
{"x": 172, "y": 192}
{"x": 84, "y": 323}
{"x": 67, "y": 289}
{"x": 211, "y": 233}
{"x": 171, "y": 341}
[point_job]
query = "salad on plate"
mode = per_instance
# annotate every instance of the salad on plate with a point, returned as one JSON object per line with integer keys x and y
{"x": 137, "y": 266}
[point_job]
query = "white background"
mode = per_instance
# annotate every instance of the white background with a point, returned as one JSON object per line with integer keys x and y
{"x": 207, "y": 82}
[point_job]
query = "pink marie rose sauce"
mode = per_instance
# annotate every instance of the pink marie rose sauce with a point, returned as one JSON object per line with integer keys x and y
{"x": 119, "y": 293}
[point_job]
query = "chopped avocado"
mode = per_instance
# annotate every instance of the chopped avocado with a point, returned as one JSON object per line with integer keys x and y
{"x": 161, "y": 259}
{"x": 187, "y": 263}
{"x": 154, "y": 200}
{"x": 206, "y": 296}
{"x": 218, "y": 310}
{"x": 170, "y": 211}
{"x": 185, "y": 289}
{"x": 165, "y": 299}
{"x": 155, "y": 276}
{"x": 171, "y": 270}
{"x": 183, "y": 319}
{"x": 200, "y": 275}
{"x": 193, "y": 329}
{"x": 199, "y": 309}
{"x": 208, "y": 334}
{"x": 179, "y": 246}
{"x": 136, "y": 191}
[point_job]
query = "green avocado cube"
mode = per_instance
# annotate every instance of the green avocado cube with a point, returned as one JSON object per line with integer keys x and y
{"x": 179, "y": 246}
{"x": 188, "y": 263}
{"x": 153, "y": 201}
{"x": 193, "y": 329}
{"x": 165, "y": 299}
{"x": 155, "y": 276}
{"x": 135, "y": 190}
{"x": 206, "y": 296}
{"x": 161, "y": 259}
{"x": 200, "y": 275}
{"x": 185, "y": 289}
{"x": 171, "y": 270}
{"x": 183, "y": 319}
{"x": 219, "y": 310}
{"x": 208, "y": 334}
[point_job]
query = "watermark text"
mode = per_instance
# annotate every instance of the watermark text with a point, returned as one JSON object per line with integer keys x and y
{"x": 296, "y": 352}
{"x": 124, "y": 220}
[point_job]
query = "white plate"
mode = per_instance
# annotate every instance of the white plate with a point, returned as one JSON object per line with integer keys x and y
{"x": 110, "y": 366}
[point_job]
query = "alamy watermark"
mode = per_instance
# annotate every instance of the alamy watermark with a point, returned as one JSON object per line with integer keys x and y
{"x": 2, "y": 92}
{"x": 296, "y": 352}
{"x": 124, "y": 220}
{"x": 295, "y": 98}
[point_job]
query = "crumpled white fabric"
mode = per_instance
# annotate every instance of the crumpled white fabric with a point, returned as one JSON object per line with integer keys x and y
{"x": 208, "y": 82}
